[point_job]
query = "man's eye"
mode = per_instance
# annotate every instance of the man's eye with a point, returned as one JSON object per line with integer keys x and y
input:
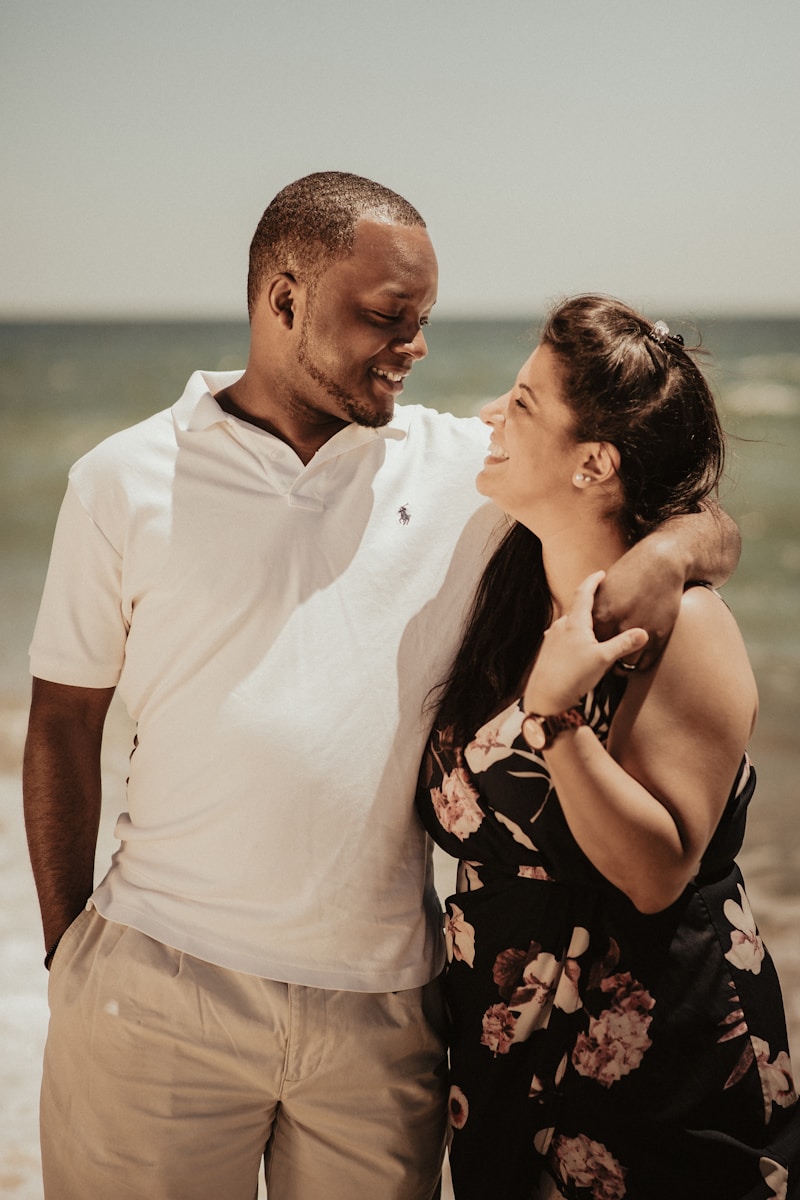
{"x": 387, "y": 316}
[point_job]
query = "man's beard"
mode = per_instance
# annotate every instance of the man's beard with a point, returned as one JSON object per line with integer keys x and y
{"x": 356, "y": 411}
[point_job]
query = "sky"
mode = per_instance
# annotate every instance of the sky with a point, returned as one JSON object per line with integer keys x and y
{"x": 641, "y": 148}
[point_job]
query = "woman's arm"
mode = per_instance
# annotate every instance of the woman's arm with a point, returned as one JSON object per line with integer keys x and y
{"x": 645, "y": 810}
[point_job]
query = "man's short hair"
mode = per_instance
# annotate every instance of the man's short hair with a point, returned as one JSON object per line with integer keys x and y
{"x": 312, "y": 222}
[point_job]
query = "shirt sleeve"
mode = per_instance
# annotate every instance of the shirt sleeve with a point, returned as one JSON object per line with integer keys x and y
{"x": 80, "y": 632}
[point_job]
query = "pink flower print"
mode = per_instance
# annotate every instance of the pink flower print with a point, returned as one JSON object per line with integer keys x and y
{"x": 498, "y": 1029}
{"x": 459, "y": 936}
{"x": 628, "y": 993}
{"x": 542, "y": 1139}
{"x": 539, "y": 980}
{"x": 578, "y": 943}
{"x": 456, "y": 804}
{"x": 458, "y": 1107}
{"x": 605, "y": 966}
{"x": 539, "y": 1086}
{"x": 507, "y": 969}
{"x": 588, "y": 1164}
{"x": 494, "y": 740}
{"x": 567, "y": 996}
{"x": 467, "y": 877}
{"x": 516, "y": 831}
{"x": 734, "y": 1023}
{"x": 747, "y": 949}
{"x": 777, "y": 1083}
{"x": 527, "y": 871}
{"x": 616, "y": 1040}
{"x": 525, "y": 975}
{"x": 775, "y": 1176}
{"x": 527, "y": 981}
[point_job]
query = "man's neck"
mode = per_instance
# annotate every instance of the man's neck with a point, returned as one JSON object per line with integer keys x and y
{"x": 305, "y": 440}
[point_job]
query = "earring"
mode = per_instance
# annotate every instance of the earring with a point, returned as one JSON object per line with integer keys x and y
{"x": 581, "y": 478}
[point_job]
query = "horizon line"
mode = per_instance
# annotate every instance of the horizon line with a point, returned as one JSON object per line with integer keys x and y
{"x": 142, "y": 316}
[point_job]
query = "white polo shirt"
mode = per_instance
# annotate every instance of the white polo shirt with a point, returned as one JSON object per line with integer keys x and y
{"x": 274, "y": 630}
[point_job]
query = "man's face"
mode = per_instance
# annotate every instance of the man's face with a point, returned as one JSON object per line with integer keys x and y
{"x": 362, "y": 329}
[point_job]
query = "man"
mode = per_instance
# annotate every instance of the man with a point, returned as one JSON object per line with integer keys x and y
{"x": 274, "y": 573}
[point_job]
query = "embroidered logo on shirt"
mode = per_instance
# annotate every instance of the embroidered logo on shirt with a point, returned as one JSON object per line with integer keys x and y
{"x": 403, "y": 514}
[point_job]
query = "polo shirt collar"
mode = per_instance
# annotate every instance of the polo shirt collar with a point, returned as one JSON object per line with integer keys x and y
{"x": 197, "y": 410}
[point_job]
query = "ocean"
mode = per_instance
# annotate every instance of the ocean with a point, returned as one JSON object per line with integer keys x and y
{"x": 64, "y": 386}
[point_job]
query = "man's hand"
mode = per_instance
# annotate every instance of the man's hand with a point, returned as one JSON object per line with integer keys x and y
{"x": 643, "y": 589}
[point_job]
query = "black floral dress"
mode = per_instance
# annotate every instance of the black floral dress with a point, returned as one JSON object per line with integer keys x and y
{"x": 598, "y": 1052}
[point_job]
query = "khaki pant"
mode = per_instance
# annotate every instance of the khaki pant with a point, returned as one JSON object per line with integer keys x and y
{"x": 167, "y": 1078}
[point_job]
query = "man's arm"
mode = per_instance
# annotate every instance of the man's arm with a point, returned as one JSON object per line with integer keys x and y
{"x": 644, "y": 587}
{"x": 61, "y": 797}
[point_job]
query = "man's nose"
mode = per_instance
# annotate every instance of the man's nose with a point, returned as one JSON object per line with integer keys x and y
{"x": 412, "y": 343}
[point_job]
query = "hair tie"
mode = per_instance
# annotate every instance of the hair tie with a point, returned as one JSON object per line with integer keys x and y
{"x": 660, "y": 334}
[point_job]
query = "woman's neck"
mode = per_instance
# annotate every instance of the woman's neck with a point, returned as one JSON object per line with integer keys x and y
{"x": 575, "y": 552}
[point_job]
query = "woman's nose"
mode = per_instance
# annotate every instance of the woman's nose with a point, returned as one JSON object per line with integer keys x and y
{"x": 494, "y": 411}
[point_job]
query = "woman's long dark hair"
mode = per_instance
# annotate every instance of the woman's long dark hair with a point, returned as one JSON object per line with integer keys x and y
{"x": 509, "y": 614}
{"x": 648, "y": 398}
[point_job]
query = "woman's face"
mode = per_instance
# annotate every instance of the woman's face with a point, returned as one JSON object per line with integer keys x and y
{"x": 533, "y": 454}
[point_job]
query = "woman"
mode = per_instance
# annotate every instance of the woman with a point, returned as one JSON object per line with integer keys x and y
{"x": 618, "y": 1025}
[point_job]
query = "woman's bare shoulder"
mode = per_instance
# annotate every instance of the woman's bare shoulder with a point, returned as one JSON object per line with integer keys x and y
{"x": 705, "y": 664}
{"x": 705, "y": 622}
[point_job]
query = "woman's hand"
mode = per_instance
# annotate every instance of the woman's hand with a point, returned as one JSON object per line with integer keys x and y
{"x": 571, "y": 660}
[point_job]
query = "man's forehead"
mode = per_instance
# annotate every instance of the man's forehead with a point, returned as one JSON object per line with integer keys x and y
{"x": 376, "y": 230}
{"x": 382, "y": 216}
{"x": 392, "y": 292}
{"x": 390, "y": 264}
{"x": 401, "y": 253}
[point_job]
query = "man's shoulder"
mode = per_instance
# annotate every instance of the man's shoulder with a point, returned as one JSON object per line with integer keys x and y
{"x": 419, "y": 420}
{"x": 156, "y": 437}
{"x": 439, "y": 459}
{"x": 152, "y": 434}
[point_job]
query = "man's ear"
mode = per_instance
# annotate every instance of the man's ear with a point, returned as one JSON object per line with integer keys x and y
{"x": 281, "y": 294}
{"x": 599, "y": 463}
